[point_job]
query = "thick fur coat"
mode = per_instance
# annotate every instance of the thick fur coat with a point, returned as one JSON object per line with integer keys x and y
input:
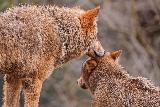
{"x": 34, "y": 40}
{"x": 112, "y": 86}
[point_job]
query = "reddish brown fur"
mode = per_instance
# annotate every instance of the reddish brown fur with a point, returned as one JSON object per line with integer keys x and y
{"x": 34, "y": 40}
{"x": 112, "y": 86}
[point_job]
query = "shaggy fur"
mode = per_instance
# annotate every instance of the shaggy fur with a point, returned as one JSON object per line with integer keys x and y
{"x": 112, "y": 86}
{"x": 34, "y": 40}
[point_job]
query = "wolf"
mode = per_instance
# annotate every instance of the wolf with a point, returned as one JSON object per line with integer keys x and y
{"x": 35, "y": 40}
{"x": 112, "y": 86}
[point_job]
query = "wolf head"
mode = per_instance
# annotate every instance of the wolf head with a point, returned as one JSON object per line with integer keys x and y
{"x": 95, "y": 65}
{"x": 78, "y": 29}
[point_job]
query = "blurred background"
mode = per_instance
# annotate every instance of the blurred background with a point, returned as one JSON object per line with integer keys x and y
{"x": 130, "y": 25}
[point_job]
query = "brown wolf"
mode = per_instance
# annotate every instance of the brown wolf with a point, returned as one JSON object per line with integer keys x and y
{"x": 34, "y": 40}
{"x": 111, "y": 85}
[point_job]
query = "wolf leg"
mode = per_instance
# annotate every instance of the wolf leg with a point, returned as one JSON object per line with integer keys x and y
{"x": 32, "y": 91}
{"x": 12, "y": 88}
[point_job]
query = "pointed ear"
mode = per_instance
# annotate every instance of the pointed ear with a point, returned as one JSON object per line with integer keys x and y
{"x": 87, "y": 19}
{"x": 91, "y": 65}
{"x": 115, "y": 55}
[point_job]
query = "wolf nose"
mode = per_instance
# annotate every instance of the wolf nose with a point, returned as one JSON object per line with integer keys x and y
{"x": 100, "y": 53}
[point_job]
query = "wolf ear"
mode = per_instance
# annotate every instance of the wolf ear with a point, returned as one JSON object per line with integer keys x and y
{"x": 115, "y": 55}
{"x": 87, "y": 19}
{"x": 91, "y": 65}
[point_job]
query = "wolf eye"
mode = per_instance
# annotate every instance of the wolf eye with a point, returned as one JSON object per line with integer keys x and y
{"x": 93, "y": 68}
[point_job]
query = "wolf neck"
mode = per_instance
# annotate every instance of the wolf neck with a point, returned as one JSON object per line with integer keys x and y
{"x": 105, "y": 76}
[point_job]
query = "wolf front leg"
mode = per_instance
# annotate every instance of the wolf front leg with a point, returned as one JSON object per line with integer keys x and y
{"x": 12, "y": 88}
{"x": 32, "y": 89}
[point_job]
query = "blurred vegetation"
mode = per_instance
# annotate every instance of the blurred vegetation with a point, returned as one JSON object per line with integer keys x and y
{"x": 130, "y": 25}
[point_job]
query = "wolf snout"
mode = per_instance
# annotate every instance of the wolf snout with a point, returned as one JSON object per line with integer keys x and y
{"x": 96, "y": 50}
